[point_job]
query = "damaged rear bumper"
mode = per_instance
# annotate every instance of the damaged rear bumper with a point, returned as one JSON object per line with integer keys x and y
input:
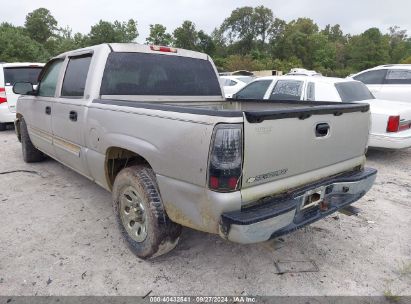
{"x": 275, "y": 216}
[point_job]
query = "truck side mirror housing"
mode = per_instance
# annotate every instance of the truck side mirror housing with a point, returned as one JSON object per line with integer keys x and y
{"x": 23, "y": 88}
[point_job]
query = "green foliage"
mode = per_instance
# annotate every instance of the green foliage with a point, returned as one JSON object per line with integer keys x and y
{"x": 250, "y": 38}
{"x": 40, "y": 25}
{"x": 16, "y": 45}
{"x": 159, "y": 36}
{"x": 369, "y": 49}
{"x": 186, "y": 36}
{"x": 106, "y": 32}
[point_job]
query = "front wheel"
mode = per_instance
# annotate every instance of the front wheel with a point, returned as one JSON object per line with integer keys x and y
{"x": 141, "y": 215}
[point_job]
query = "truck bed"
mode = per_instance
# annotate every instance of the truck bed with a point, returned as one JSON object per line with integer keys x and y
{"x": 254, "y": 110}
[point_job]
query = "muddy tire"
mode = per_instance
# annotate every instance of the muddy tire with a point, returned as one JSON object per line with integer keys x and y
{"x": 140, "y": 213}
{"x": 3, "y": 126}
{"x": 30, "y": 153}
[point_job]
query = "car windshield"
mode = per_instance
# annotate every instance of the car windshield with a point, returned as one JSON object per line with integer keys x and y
{"x": 21, "y": 74}
{"x": 353, "y": 91}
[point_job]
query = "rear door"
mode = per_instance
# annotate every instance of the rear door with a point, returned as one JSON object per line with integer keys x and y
{"x": 282, "y": 147}
{"x": 69, "y": 114}
{"x": 15, "y": 74}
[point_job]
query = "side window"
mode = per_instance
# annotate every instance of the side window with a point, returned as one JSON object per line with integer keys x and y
{"x": 48, "y": 82}
{"x": 372, "y": 77}
{"x": 398, "y": 77}
{"x": 255, "y": 90}
{"x": 287, "y": 90}
{"x": 75, "y": 78}
{"x": 311, "y": 91}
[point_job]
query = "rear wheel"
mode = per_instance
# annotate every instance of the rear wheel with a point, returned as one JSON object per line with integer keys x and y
{"x": 140, "y": 213}
{"x": 30, "y": 153}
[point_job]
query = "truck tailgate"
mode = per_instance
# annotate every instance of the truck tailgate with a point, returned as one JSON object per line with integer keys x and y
{"x": 281, "y": 144}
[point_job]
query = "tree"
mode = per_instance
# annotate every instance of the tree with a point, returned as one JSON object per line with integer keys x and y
{"x": 16, "y": 45}
{"x": 40, "y": 25}
{"x": 104, "y": 32}
{"x": 205, "y": 43}
{"x": 186, "y": 36}
{"x": 263, "y": 22}
{"x": 240, "y": 29}
{"x": 400, "y": 45}
{"x": 368, "y": 49}
{"x": 158, "y": 35}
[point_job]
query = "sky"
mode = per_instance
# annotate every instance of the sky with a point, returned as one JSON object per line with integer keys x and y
{"x": 354, "y": 16}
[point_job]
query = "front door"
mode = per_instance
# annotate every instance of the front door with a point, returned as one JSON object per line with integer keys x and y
{"x": 41, "y": 108}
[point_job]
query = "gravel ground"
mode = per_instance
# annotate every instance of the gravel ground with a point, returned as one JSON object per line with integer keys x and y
{"x": 58, "y": 236}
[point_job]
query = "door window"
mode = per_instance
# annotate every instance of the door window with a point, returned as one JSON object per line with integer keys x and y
{"x": 75, "y": 78}
{"x": 48, "y": 82}
{"x": 287, "y": 90}
{"x": 398, "y": 77}
{"x": 311, "y": 91}
{"x": 372, "y": 77}
{"x": 255, "y": 90}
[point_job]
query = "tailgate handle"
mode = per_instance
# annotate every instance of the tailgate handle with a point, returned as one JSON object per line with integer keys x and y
{"x": 322, "y": 129}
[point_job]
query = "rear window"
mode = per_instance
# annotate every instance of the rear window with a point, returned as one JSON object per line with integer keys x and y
{"x": 152, "y": 74}
{"x": 353, "y": 91}
{"x": 21, "y": 74}
{"x": 287, "y": 90}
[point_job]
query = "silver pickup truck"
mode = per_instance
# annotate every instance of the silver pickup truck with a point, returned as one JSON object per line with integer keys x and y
{"x": 151, "y": 125}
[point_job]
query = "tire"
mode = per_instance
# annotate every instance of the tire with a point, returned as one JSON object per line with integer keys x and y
{"x": 140, "y": 213}
{"x": 3, "y": 126}
{"x": 30, "y": 153}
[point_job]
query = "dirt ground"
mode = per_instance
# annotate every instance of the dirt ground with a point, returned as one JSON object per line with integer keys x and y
{"x": 58, "y": 236}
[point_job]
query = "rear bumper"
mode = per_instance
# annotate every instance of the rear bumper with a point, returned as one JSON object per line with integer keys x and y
{"x": 276, "y": 216}
{"x": 400, "y": 140}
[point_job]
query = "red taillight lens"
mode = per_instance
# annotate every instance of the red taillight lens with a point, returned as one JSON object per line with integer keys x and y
{"x": 163, "y": 49}
{"x": 3, "y": 97}
{"x": 393, "y": 124}
{"x": 226, "y": 158}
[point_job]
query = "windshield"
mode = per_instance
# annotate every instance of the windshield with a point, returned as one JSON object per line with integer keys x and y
{"x": 154, "y": 74}
{"x": 21, "y": 74}
{"x": 353, "y": 91}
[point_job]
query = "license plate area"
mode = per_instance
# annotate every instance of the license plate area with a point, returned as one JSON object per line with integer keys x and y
{"x": 313, "y": 198}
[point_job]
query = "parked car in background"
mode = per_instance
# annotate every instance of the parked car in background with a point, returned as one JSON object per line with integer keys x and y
{"x": 390, "y": 82}
{"x": 390, "y": 120}
{"x": 10, "y": 73}
{"x": 233, "y": 84}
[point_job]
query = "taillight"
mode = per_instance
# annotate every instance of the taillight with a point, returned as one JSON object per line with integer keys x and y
{"x": 3, "y": 97}
{"x": 395, "y": 124}
{"x": 166, "y": 49}
{"x": 226, "y": 158}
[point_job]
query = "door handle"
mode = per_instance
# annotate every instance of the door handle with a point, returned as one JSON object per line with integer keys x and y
{"x": 322, "y": 129}
{"x": 73, "y": 115}
{"x": 48, "y": 110}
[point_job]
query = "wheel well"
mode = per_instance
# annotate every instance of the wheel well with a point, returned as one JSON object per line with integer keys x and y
{"x": 118, "y": 159}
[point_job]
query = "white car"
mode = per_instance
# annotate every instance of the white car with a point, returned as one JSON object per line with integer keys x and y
{"x": 390, "y": 120}
{"x": 303, "y": 72}
{"x": 233, "y": 84}
{"x": 390, "y": 82}
{"x": 11, "y": 73}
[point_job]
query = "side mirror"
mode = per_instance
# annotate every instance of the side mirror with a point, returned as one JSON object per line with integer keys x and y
{"x": 23, "y": 88}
